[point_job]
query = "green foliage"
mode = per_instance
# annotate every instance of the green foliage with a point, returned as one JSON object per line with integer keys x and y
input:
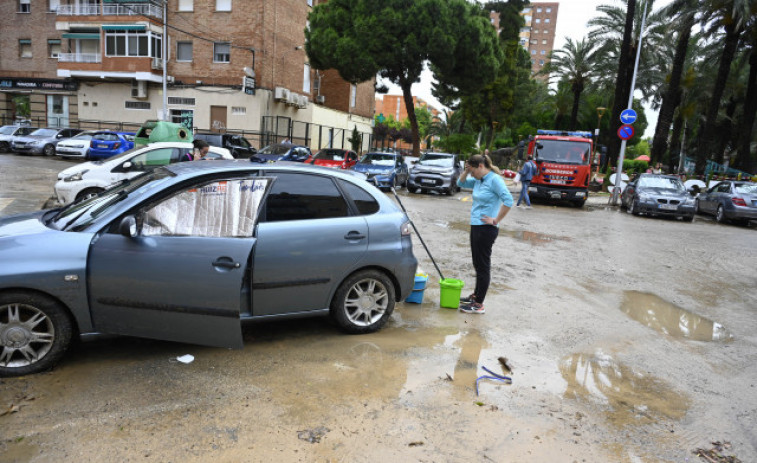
{"x": 355, "y": 140}
{"x": 639, "y": 149}
{"x": 21, "y": 103}
{"x": 634, "y": 167}
{"x": 423, "y": 115}
{"x": 461, "y": 143}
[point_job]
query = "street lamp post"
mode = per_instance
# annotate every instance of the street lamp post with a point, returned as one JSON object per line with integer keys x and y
{"x": 600, "y": 112}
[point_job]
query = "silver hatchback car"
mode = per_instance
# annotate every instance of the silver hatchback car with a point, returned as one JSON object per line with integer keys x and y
{"x": 189, "y": 251}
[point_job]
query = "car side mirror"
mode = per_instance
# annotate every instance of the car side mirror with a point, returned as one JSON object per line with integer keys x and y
{"x": 126, "y": 165}
{"x": 128, "y": 227}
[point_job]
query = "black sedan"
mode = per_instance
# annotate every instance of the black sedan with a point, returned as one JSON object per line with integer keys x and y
{"x": 729, "y": 200}
{"x": 655, "y": 194}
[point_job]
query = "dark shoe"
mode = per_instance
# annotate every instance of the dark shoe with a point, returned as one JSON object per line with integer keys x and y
{"x": 473, "y": 307}
{"x": 468, "y": 299}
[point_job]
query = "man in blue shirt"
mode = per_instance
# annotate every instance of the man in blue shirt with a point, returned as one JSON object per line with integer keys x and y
{"x": 526, "y": 174}
{"x": 491, "y": 203}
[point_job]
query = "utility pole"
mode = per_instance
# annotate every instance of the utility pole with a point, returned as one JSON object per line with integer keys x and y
{"x": 163, "y": 50}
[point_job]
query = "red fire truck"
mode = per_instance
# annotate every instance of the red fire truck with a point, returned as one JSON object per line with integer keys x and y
{"x": 563, "y": 165}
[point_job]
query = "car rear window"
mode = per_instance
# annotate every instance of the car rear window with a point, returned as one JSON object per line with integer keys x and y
{"x": 365, "y": 202}
{"x": 105, "y": 137}
{"x": 296, "y": 196}
{"x": 331, "y": 155}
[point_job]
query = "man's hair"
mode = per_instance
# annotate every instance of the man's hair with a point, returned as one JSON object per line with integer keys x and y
{"x": 200, "y": 144}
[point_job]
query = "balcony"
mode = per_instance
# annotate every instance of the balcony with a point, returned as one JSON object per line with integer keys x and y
{"x": 79, "y": 58}
{"x": 120, "y": 9}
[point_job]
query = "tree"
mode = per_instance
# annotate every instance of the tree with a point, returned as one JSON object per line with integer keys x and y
{"x": 355, "y": 140}
{"x": 574, "y": 64}
{"x": 394, "y": 38}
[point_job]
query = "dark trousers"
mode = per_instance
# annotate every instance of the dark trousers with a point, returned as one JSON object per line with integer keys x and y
{"x": 481, "y": 242}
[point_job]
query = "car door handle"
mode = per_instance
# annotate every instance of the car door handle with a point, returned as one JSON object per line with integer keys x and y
{"x": 226, "y": 264}
{"x": 354, "y": 235}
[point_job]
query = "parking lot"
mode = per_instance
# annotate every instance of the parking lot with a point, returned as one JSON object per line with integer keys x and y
{"x": 632, "y": 339}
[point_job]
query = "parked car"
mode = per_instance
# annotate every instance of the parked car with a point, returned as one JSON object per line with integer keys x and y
{"x": 42, "y": 141}
{"x": 284, "y": 152}
{"x": 435, "y": 172}
{"x": 189, "y": 251}
{"x": 91, "y": 178}
{"x": 333, "y": 157}
{"x": 9, "y": 132}
{"x": 385, "y": 170}
{"x": 75, "y": 147}
{"x": 656, "y": 194}
{"x": 106, "y": 144}
{"x": 238, "y": 145}
{"x": 729, "y": 200}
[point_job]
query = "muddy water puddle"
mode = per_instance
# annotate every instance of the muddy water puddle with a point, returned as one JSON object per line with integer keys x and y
{"x": 520, "y": 235}
{"x": 628, "y": 396}
{"x": 664, "y": 317}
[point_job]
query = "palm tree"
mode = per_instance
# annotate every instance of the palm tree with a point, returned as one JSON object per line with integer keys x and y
{"x": 732, "y": 16}
{"x": 743, "y": 159}
{"x": 574, "y": 63}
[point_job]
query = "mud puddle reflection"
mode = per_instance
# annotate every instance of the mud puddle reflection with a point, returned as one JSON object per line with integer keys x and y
{"x": 629, "y": 396}
{"x": 664, "y": 317}
{"x": 520, "y": 235}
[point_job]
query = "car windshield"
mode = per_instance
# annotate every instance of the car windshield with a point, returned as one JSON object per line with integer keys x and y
{"x": 78, "y": 215}
{"x": 106, "y": 137}
{"x": 379, "y": 159}
{"x": 44, "y": 133}
{"x": 7, "y": 130}
{"x": 83, "y": 136}
{"x": 436, "y": 160}
{"x": 275, "y": 149}
{"x": 330, "y": 155}
{"x": 563, "y": 151}
{"x": 662, "y": 183}
{"x": 241, "y": 141}
{"x": 746, "y": 188}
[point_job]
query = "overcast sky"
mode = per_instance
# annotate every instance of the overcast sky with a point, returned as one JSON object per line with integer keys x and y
{"x": 572, "y": 16}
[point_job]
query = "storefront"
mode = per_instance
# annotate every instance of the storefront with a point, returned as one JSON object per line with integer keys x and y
{"x": 45, "y": 102}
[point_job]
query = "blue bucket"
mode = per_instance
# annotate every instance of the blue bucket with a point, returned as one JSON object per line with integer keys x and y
{"x": 416, "y": 297}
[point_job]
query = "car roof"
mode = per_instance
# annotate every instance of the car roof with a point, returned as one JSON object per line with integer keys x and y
{"x": 244, "y": 165}
{"x": 114, "y": 131}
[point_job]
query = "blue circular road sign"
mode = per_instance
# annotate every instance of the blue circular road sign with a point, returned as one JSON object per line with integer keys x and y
{"x": 628, "y": 116}
{"x": 625, "y": 132}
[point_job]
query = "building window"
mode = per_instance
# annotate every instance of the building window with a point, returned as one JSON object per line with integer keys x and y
{"x": 549, "y": 9}
{"x": 223, "y": 5}
{"x": 543, "y": 52}
{"x": 544, "y": 42}
{"x": 238, "y": 110}
{"x": 181, "y": 101}
{"x": 310, "y": 2}
{"x": 534, "y": 41}
{"x": 533, "y": 52}
{"x": 183, "y": 51}
{"x": 546, "y": 20}
{"x": 541, "y": 62}
{"x": 221, "y": 52}
{"x": 306, "y": 79}
{"x": 137, "y": 104}
{"x": 535, "y": 31}
{"x": 353, "y": 95}
{"x": 538, "y": 10}
{"x": 184, "y": 117}
{"x": 132, "y": 43}
{"x": 25, "y": 48}
{"x": 52, "y": 5}
{"x": 24, "y": 6}
{"x": 538, "y": 21}
{"x": 186, "y": 5}
{"x": 53, "y": 48}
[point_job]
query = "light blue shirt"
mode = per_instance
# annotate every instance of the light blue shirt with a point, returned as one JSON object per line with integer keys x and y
{"x": 489, "y": 194}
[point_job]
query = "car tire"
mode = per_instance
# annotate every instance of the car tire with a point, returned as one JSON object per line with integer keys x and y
{"x": 720, "y": 214}
{"x": 579, "y": 203}
{"x": 696, "y": 207}
{"x": 364, "y": 302}
{"x": 688, "y": 218}
{"x": 412, "y": 189}
{"x": 4, "y": 147}
{"x": 633, "y": 207}
{"x": 48, "y": 150}
{"x": 35, "y": 331}
{"x": 88, "y": 193}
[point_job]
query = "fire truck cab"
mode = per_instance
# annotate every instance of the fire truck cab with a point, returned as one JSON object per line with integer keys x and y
{"x": 563, "y": 160}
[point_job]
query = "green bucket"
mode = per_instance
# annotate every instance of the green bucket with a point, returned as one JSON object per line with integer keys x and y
{"x": 450, "y": 293}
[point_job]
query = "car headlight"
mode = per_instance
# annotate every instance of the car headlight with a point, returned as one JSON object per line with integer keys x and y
{"x": 76, "y": 177}
{"x": 36, "y": 143}
{"x": 645, "y": 198}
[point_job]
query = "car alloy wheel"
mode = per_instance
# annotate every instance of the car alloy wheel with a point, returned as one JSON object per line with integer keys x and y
{"x": 364, "y": 302}
{"x": 49, "y": 150}
{"x": 4, "y": 146}
{"x": 88, "y": 193}
{"x": 34, "y": 333}
{"x": 720, "y": 214}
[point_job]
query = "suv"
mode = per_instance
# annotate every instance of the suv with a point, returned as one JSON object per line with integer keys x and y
{"x": 435, "y": 172}
{"x": 9, "y": 132}
{"x": 239, "y": 146}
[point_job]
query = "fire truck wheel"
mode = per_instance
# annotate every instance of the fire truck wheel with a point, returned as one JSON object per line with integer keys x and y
{"x": 579, "y": 203}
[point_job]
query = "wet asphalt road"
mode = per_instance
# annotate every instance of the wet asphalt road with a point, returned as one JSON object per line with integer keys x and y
{"x": 632, "y": 340}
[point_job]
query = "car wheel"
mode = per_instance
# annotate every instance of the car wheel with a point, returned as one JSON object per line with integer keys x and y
{"x": 49, "y": 150}
{"x": 35, "y": 332}
{"x": 412, "y": 189}
{"x": 688, "y": 218}
{"x": 88, "y": 193}
{"x": 696, "y": 207}
{"x": 633, "y": 207}
{"x": 364, "y": 302}
{"x": 579, "y": 203}
{"x": 720, "y": 214}
{"x": 4, "y": 146}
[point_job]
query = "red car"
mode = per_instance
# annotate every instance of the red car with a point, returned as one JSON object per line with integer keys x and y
{"x": 333, "y": 157}
{"x": 507, "y": 173}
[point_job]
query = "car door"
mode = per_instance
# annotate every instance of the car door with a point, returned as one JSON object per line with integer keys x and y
{"x": 145, "y": 161}
{"x": 181, "y": 278}
{"x": 402, "y": 172}
{"x": 307, "y": 243}
{"x": 708, "y": 201}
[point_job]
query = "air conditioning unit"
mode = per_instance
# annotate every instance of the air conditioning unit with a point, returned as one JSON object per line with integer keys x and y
{"x": 303, "y": 103}
{"x": 293, "y": 99}
{"x": 320, "y": 99}
{"x": 139, "y": 89}
{"x": 281, "y": 94}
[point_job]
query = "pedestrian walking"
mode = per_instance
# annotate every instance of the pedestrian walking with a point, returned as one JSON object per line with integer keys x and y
{"x": 491, "y": 203}
{"x": 526, "y": 174}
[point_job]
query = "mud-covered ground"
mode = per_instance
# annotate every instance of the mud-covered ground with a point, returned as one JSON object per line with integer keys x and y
{"x": 631, "y": 340}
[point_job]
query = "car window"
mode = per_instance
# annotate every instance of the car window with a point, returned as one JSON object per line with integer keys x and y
{"x": 379, "y": 159}
{"x": 154, "y": 158}
{"x": 436, "y": 160}
{"x": 83, "y": 136}
{"x": 724, "y": 187}
{"x": 44, "y": 133}
{"x": 226, "y": 208}
{"x": 365, "y": 202}
{"x": 241, "y": 141}
{"x": 7, "y": 130}
{"x": 26, "y": 130}
{"x": 303, "y": 197}
{"x": 106, "y": 137}
{"x": 746, "y": 188}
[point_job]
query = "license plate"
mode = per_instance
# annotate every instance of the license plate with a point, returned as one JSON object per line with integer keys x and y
{"x": 102, "y": 146}
{"x": 532, "y": 189}
{"x": 426, "y": 180}
{"x": 668, "y": 207}
{"x": 554, "y": 195}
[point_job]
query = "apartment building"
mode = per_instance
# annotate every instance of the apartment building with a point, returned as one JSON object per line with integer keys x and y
{"x": 538, "y": 33}
{"x": 229, "y": 64}
{"x": 394, "y": 106}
